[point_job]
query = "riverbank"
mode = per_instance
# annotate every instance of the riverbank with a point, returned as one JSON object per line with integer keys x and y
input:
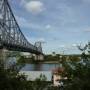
{"x": 50, "y": 62}
{"x": 44, "y": 62}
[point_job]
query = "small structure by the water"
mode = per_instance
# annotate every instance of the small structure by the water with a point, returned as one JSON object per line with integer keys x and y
{"x": 57, "y": 77}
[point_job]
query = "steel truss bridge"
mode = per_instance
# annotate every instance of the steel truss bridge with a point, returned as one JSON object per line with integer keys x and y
{"x": 11, "y": 36}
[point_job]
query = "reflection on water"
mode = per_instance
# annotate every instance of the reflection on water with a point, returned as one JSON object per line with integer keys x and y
{"x": 37, "y": 67}
{"x": 40, "y": 67}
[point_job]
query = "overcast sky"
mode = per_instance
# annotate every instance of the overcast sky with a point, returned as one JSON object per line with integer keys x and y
{"x": 61, "y": 24}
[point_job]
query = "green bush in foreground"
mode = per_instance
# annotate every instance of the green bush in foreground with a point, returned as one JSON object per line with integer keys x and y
{"x": 78, "y": 74}
{"x": 11, "y": 80}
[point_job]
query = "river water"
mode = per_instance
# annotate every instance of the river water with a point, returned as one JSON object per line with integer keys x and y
{"x": 33, "y": 71}
{"x": 40, "y": 67}
{"x": 34, "y": 67}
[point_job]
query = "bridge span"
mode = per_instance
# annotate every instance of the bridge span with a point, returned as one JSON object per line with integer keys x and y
{"x": 11, "y": 36}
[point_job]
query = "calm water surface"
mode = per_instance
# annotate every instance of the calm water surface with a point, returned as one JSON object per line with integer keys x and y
{"x": 32, "y": 71}
{"x": 40, "y": 67}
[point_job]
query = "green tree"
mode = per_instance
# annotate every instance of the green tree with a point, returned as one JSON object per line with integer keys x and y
{"x": 78, "y": 74}
{"x": 11, "y": 80}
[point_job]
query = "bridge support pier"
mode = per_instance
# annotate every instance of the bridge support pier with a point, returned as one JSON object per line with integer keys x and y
{"x": 38, "y": 57}
{"x": 3, "y": 55}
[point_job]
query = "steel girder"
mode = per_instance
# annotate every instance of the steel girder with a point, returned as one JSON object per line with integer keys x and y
{"x": 11, "y": 37}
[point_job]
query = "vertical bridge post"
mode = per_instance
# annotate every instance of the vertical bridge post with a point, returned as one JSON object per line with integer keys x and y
{"x": 3, "y": 55}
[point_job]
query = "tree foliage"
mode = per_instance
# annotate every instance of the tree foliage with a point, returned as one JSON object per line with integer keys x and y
{"x": 10, "y": 79}
{"x": 78, "y": 74}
